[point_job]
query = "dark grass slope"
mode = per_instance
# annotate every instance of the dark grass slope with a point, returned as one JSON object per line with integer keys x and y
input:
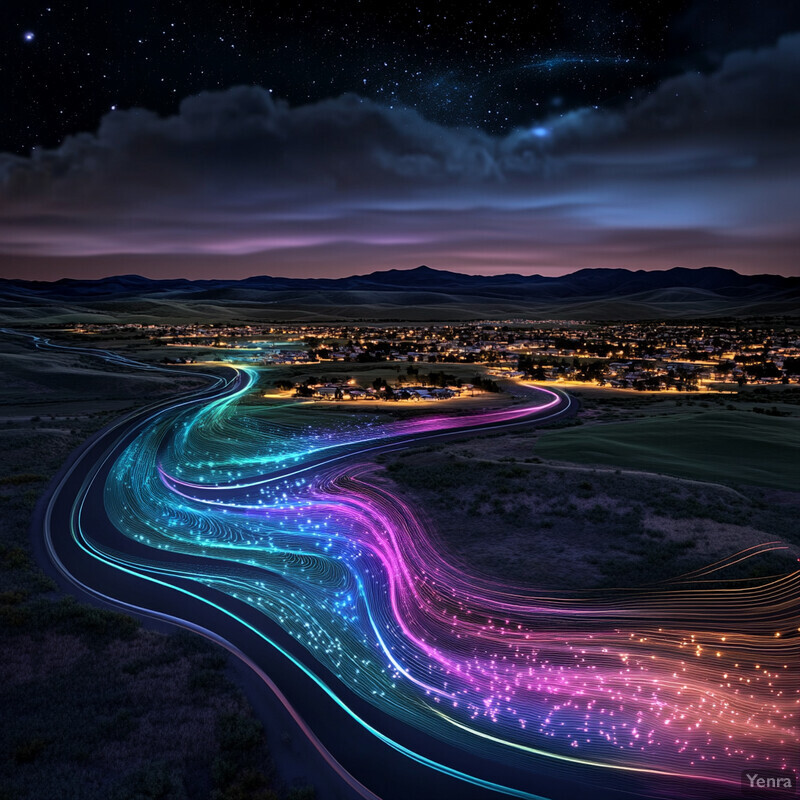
{"x": 95, "y": 705}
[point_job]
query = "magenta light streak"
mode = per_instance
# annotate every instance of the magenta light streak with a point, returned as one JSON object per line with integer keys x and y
{"x": 689, "y": 681}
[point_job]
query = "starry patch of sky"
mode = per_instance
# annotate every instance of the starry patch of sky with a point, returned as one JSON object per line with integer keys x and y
{"x": 173, "y": 137}
{"x": 493, "y": 65}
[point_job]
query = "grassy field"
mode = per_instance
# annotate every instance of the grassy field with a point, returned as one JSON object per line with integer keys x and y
{"x": 94, "y": 706}
{"x": 732, "y": 447}
{"x": 564, "y": 527}
{"x": 424, "y": 305}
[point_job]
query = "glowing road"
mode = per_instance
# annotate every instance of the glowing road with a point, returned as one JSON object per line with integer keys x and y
{"x": 412, "y": 676}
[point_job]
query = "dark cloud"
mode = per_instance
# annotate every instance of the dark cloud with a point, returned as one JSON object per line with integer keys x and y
{"x": 709, "y": 29}
{"x": 702, "y": 170}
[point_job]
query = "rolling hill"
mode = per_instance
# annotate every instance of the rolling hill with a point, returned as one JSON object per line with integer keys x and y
{"x": 415, "y": 294}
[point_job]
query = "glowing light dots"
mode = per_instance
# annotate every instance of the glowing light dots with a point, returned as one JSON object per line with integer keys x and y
{"x": 292, "y": 521}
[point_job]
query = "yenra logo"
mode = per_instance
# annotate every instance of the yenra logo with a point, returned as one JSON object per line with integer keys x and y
{"x": 768, "y": 781}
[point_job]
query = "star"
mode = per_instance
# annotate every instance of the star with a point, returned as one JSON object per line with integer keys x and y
{"x": 28, "y": 36}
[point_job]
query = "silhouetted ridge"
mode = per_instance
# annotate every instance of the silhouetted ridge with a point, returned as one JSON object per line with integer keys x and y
{"x": 585, "y": 294}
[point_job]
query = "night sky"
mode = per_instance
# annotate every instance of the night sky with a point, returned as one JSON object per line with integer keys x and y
{"x": 204, "y": 139}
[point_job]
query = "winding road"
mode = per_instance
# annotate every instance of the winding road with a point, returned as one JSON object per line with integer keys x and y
{"x": 411, "y": 677}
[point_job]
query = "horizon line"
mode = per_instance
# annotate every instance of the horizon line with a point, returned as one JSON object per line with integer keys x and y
{"x": 450, "y": 271}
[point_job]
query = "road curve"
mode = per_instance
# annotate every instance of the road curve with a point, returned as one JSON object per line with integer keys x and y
{"x": 373, "y": 753}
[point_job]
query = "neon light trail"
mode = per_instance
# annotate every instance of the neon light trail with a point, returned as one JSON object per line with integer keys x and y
{"x": 694, "y": 679}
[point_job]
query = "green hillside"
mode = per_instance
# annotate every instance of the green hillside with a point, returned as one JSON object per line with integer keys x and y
{"x": 732, "y": 447}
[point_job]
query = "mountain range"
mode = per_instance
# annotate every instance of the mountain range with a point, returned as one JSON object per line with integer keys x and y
{"x": 414, "y": 294}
